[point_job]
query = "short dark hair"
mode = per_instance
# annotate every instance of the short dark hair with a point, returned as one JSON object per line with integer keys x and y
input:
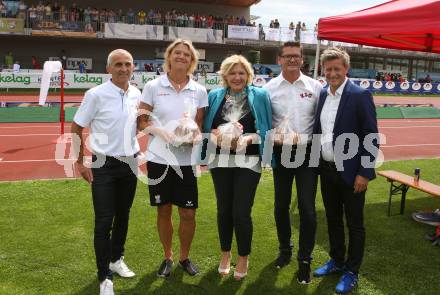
{"x": 290, "y": 44}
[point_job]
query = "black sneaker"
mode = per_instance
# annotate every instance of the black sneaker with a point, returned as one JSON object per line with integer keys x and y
{"x": 303, "y": 274}
{"x": 165, "y": 268}
{"x": 282, "y": 260}
{"x": 189, "y": 267}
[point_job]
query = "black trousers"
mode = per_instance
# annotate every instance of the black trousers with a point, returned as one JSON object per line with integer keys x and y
{"x": 339, "y": 199}
{"x": 113, "y": 190}
{"x": 306, "y": 186}
{"x": 235, "y": 191}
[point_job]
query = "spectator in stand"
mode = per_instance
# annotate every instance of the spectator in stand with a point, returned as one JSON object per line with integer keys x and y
{"x": 12, "y": 8}
{"x": 82, "y": 67}
{"x": 32, "y": 11}
{"x": 276, "y": 24}
{"x": 149, "y": 67}
{"x": 158, "y": 18}
{"x": 388, "y": 77}
{"x": 56, "y": 11}
{"x": 141, "y": 16}
{"x": 261, "y": 33}
{"x": 298, "y": 31}
{"x": 22, "y": 7}
{"x": 111, "y": 16}
{"x": 271, "y": 25}
{"x": 73, "y": 14}
{"x": 242, "y": 21}
{"x": 47, "y": 12}
{"x": 64, "y": 14}
{"x": 35, "y": 63}
{"x": 130, "y": 16}
{"x": 428, "y": 79}
{"x": 198, "y": 21}
{"x": 291, "y": 26}
{"x": 63, "y": 58}
{"x": 87, "y": 15}
{"x": 3, "y": 10}
{"x": 40, "y": 11}
{"x": 303, "y": 27}
{"x": 16, "y": 67}
{"x": 120, "y": 17}
{"x": 9, "y": 60}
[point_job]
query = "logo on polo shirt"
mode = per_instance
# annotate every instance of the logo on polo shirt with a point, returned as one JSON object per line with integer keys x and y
{"x": 157, "y": 197}
{"x": 306, "y": 95}
{"x": 189, "y": 204}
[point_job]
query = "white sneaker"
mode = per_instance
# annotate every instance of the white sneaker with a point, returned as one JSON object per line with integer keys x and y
{"x": 106, "y": 287}
{"x": 121, "y": 268}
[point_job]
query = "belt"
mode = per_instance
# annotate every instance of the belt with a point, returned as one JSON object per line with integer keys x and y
{"x": 327, "y": 165}
{"x": 113, "y": 158}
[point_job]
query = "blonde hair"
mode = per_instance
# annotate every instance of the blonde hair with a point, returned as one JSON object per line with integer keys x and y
{"x": 230, "y": 62}
{"x": 333, "y": 53}
{"x": 169, "y": 50}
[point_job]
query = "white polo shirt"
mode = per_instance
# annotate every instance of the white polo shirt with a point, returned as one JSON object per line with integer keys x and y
{"x": 296, "y": 101}
{"x": 111, "y": 114}
{"x": 328, "y": 117}
{"x": 168, "y": 108}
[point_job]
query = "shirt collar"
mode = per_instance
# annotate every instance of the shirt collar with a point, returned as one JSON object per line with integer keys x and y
{"x": 119, "y": 90}
{"x": 166, "y": 83}
{"x": 339, "y": 90}
{"x": 301, "y": 79}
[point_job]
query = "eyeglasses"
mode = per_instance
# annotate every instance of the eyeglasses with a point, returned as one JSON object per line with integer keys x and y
{"x": 289, "y": 57}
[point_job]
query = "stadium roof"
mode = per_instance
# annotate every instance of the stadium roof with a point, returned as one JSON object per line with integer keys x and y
{"x": 241, "y": 3}
{"x": 399, "y": 24}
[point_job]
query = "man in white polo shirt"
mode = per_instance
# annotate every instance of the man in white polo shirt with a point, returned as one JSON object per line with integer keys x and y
{"x": 294, "y": 98}
{"x": 110, "y": 111}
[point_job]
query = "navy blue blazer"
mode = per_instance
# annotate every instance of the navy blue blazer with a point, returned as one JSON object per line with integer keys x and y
{"x": 357, "y": 115}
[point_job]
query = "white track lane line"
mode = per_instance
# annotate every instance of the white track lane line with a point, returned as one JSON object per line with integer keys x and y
{"x": 31, "y": 126}
{"x": 35, "y": 134}
{"x": 43, "y": 160}
{"x": 401, "y": 127}
{"x": 410, "y": 145}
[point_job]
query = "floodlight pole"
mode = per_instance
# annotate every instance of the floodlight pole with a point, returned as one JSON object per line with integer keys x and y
{"x": 315, "y": 72}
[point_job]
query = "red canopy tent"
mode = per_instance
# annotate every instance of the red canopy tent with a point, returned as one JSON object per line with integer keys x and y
{"x": 399, "y": 24}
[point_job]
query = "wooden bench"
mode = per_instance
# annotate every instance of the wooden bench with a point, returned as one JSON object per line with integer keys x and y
{"x": 404, "y": 182}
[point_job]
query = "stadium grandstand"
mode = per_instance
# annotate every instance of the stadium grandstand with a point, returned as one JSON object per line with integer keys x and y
{"x": 81, "y": 33}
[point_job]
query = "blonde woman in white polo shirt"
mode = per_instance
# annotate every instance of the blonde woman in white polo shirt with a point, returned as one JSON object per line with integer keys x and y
{"x": 170, "y": 169}
{"x": 110, "y": 111}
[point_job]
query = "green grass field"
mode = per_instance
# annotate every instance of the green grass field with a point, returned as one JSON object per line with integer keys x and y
{"x": 47, "y": 243}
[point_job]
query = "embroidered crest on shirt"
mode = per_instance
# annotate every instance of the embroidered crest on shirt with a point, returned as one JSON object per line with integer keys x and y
{"x": 306, "y": 95}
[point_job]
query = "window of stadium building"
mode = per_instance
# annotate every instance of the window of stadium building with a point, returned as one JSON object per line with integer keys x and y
{"x": 436, "y": 66}
{"x": 376, "y": 63}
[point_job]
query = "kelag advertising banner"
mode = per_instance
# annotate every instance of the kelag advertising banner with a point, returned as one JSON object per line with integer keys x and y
{"x": 211, "y": 81}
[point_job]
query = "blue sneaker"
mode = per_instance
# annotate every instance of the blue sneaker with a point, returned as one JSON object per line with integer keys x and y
{"x": 347, "y": 282}
{"x": 328, "y": 268}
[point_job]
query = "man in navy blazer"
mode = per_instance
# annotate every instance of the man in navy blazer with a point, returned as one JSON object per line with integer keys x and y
{"x": 346, "y": 121}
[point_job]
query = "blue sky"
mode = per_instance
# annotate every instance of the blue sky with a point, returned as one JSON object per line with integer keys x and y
{"x": 308, "y": 11}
